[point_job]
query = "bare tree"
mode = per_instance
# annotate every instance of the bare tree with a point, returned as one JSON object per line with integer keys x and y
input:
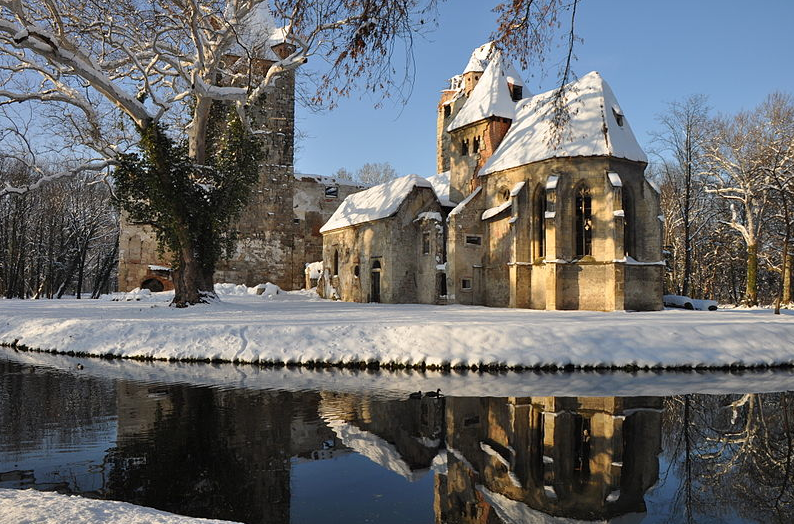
{"x": 159, "y": 94}
{"x": 680, "y": 142}
{"x": 172, "y": 67}
{"x": 735, "y": 172}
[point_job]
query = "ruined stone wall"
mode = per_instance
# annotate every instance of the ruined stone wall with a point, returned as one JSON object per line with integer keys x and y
{"x": 138, "y": 251}
{"x": 278, "y": 231}
{"x": 267, "y": 233}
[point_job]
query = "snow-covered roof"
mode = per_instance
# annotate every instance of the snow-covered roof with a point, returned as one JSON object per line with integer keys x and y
{"x": 593, "y": 128}
{"x": 479, "y": 59}
{"x": 460, "y": 207}
{"x": 440, "y": 184}
{"x": 377, "y": 202}
{"x": 490, "y": 97}
{"x": 373, "y": 447}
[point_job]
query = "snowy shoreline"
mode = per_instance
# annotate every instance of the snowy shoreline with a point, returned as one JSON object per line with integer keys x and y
{"x": 299, "y": 329}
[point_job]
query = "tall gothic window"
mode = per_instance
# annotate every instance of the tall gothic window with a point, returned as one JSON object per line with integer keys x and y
{"x": 539, "y": 222}
{"x": 584, "y": 222}
{"x": 629, "y": 225}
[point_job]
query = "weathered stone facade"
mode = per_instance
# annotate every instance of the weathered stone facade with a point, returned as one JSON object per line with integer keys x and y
{"x": 548, "y": 218}
{"x": 396, "y": 259}
{"x": 548, "y": 227}
{"x": 279, "y": 230}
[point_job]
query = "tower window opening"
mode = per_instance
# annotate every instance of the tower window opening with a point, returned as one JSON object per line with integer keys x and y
{"x": 464, "y": 148}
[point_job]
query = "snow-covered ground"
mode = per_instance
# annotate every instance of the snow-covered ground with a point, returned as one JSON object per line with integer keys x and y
{"x": 299, "y": 327}
{"x": 29, "y": 506}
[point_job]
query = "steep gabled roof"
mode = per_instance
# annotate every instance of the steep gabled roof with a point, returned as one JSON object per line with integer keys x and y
{"x": 440, "y": 184}
{"x": 377, "y": 202}
{"x": 490, "y": 97}
{"x": 597, "y": 127}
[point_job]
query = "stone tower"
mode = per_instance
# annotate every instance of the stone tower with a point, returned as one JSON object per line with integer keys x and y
{"x": 278, "y": 231}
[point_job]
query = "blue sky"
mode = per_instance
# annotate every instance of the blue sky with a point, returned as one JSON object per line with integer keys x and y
{"x": 650, "y": 52}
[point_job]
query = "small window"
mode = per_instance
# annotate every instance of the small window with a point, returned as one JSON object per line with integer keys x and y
{"x": 474, "y": 240}
{"x": 465, "y": 283}
{"x": 336, "y": 262}
{"x": 447, "y": 111}
{"x": 504, "y": 194}
{"x": 426, "y": 243}
{"x": 517, "y": 93}
{"x": 331, "y": 192}
{"x": 618, "y": 115}
{"x": 356, "y": 271}
{"x": 475, "y": 145}
{"x": 296, "y": 220}
{"x": 464, "y": 148}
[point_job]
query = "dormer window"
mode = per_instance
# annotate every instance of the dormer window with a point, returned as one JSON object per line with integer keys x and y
{"x": 618, "y": 113}
{"x": 516, "y": 92}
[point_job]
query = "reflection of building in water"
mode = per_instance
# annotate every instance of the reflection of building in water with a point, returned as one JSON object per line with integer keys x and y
{"x": 585, "y": 458}
{"x": 212, "y": 453}
{"x": 403, "y": 436}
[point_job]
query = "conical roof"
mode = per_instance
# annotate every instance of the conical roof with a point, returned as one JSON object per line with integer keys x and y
{"x": 490, "y": 97}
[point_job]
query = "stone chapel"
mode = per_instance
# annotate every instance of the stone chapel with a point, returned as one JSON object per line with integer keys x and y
{"x": 529, "y": 214}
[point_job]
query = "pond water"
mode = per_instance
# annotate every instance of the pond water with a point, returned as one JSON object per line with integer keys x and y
{"x": 348, "y": 455}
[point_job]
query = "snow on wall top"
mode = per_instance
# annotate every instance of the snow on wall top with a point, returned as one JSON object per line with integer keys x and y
{"x": 258, "y": 32}
{"x": 377, "y": 202}
{"x": 330, "y": 180}
{"x": 490, "y": 97}
{"x": 593, "y": 129}
{"x": 440, "y": 184}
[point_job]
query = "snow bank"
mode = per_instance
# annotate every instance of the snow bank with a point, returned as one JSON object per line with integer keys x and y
{"x": 30, "y": 506}
{"x": 399, "y": 384}
{"x": 298, "y": 327}
{"x": 314, "y": 270}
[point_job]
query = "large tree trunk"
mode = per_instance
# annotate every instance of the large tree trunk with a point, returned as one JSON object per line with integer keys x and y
{"x": 751, "y": 288}
{"x": 192, "y": 282}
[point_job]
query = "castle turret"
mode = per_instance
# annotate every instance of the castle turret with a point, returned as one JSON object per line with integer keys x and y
{"x": 481, "y": 123}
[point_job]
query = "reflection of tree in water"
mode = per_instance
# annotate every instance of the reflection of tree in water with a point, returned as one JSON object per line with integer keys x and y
{"x": 733, "y": 454}
{"x": 215, "y": 454}
{"x": 41, "y": 397}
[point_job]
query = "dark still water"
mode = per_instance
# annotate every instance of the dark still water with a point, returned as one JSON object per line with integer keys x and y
{"x": 302, "y": 456}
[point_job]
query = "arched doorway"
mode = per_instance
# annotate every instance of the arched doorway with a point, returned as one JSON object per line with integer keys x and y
{"x": 153, "y": 284}
{"x": 375, "y": 293}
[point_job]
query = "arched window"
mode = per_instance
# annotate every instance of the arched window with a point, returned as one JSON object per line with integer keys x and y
{"x": 336, "y": 262}
{"x": 584, "y": 222}
{"x": 539, "y": 222}
{"x": 629, "y": 224}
